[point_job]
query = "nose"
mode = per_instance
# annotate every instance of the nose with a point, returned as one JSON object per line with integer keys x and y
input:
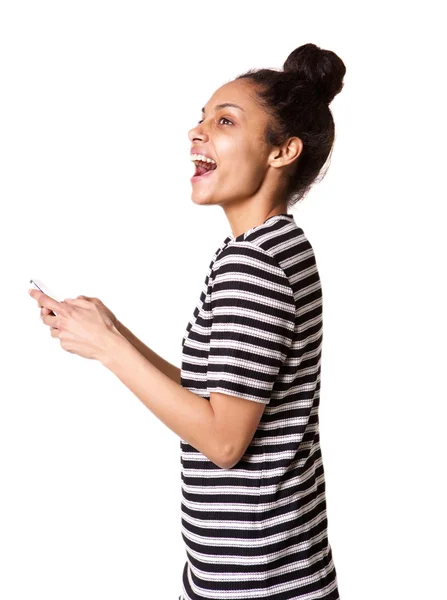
{"x": 197, "y": 133}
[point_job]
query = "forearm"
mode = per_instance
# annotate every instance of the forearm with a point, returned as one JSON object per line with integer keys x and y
{"x": 188, "y": 415}
{"x": 160, "y": 363}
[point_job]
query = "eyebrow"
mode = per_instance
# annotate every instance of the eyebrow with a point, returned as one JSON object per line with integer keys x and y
{"x": 224, "y": 105}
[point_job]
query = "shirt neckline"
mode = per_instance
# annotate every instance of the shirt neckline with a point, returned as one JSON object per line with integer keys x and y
{"x": 243, "y": 235}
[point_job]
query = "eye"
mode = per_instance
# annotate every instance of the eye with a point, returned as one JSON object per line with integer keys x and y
{"x": 198, "y": 122}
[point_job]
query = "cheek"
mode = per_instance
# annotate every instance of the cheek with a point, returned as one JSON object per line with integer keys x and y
{"x": 242, "y": 163}
{"x": 250, "y": 166}
{"x": 242, "y": 177}
{"x": 243, "y": 158}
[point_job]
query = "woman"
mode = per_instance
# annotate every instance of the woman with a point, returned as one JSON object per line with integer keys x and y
{"x": 245, "y": 401}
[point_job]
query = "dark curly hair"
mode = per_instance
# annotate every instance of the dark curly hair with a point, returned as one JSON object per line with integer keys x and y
{"x": 297, "y": 100}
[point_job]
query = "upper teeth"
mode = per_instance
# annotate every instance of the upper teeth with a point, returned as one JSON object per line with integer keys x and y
{"x": 202, "y": 157}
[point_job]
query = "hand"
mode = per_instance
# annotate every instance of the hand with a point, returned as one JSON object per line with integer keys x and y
{"x": 108, "y": 312}
{"x": 82, "y": 325}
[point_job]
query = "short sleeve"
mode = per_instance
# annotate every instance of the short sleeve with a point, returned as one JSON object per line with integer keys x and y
{"x": 253, "y": 321}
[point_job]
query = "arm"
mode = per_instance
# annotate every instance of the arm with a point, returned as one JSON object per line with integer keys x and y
{"x": 188, "y": 415}
{"x": 160, "y": 363}
{"x": 252, "y": 332}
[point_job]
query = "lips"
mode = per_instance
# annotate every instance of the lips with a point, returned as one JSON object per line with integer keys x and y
{"x": 203, "y": 169}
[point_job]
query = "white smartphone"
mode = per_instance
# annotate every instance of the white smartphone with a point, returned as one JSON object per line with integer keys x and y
{"x": 39, "y": 285}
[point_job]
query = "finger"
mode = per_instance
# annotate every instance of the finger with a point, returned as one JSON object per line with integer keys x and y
{"x": 49, "y": 320}
{"x": 47, "y": 302}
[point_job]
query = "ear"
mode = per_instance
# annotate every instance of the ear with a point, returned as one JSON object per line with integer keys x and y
{"x": 287, "y": 153}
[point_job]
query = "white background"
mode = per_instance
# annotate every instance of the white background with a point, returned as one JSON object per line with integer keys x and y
{"x": 95, "y": 105}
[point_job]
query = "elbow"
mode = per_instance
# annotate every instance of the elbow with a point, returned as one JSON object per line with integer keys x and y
{"x": 225, "y": 466}
{"x": 228, "y": 460}
{"x": 223, "y": 462}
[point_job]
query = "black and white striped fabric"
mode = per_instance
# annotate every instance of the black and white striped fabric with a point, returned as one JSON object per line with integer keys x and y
{"x": 259, "y": 530}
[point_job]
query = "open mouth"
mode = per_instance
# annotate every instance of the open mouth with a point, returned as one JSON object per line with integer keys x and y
{"x": 203, "y": 168}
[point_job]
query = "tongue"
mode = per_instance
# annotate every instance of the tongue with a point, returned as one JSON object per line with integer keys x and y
{"x": 200, "y": 170}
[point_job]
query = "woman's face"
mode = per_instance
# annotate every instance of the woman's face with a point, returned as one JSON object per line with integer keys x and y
{"x": 234, "y": 138}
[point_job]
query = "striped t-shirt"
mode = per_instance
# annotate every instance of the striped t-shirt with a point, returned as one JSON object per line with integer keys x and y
{"x": 259, "y": 530}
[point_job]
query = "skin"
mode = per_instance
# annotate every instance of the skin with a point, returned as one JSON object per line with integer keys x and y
{"x": 251, "y": 176}
{"x": 249, "y": 184}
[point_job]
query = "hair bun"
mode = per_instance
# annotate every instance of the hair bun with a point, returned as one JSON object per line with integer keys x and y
{"x": 321, "y": 68}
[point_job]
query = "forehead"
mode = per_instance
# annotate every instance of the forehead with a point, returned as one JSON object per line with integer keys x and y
{"x": 238, "y": 92}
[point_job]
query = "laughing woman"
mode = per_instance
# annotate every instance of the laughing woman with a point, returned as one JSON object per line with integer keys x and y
{"x": 245, "y": 401}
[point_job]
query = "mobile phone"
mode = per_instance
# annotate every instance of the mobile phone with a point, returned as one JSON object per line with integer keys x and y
{"x": 39, "y": 285}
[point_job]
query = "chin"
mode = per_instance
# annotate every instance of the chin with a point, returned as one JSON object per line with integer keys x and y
{"x": 201, "y": 198}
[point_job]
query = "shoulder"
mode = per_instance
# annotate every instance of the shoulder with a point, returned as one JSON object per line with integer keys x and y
{"x": 246, "y": 254}
{"x": 250, "y": 263}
